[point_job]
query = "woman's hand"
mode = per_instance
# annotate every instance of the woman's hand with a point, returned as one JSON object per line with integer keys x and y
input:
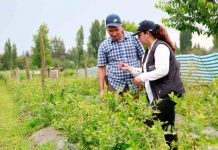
{"x": 124, "y": 67}
{"x": 137, "y": 81}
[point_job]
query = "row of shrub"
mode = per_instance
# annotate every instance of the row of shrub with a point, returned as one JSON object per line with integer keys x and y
{"x": 113, "y": 122}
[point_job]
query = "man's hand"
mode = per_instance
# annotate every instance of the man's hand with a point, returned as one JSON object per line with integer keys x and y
{"x": 102, "y": 93}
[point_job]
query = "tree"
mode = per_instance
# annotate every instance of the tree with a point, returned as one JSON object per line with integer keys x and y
{"x": 185, "y": 41}
{"x": 97, "y": 35}
{"x": 102, "y": 31}
{"x": 79, "y": 47}
{"x": 197, "y": 50}
{"x": 129, "y": 26}
{"x": 72, "y": 55}
{"x": 36, "y": 58}
{"x": 10, "y": 55}
{"x": 191, "y": 15}
{"x": 215, "y": 41}
{"x": 7, "y": 55}
{"x": 1, "y": 62}
{"x": 58, "y": 51}
{"x": 20, "y": 62}
{"x": 14, "y": 57}
{"x": 57, "y": 47}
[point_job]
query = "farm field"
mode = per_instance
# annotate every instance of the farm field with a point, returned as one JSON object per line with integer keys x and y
{"x": 72, "y": 106}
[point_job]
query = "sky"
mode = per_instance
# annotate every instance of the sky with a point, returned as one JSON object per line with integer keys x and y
{"x": 20, "y": 19}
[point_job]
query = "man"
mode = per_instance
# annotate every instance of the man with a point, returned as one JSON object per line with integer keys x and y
{"x": 120, "y": 46}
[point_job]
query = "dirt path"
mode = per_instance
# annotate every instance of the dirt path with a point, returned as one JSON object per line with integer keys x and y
{"x": 11, "y": 129}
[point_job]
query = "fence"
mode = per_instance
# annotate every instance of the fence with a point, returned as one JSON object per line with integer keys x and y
{"x": 198, "y": 68}
{"x": 90, "y": 72}
{"x": 192, "y": 67}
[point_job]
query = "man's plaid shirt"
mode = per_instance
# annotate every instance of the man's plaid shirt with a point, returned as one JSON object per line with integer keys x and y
{"x": 110, "y": 53}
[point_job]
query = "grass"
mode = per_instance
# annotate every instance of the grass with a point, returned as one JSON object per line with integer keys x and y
{"x": 11, "y": 128}
{"x": 14, "y": 133}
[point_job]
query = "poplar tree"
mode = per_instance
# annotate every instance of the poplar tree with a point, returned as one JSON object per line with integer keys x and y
{"x": 79, "y": 47}
{"x": 58, "y": 51}
{"x": 7, "y": 55}
{"x": 36, "y": 58}
{"x": 57, "y": 47}
{"x": 97, "y": 35}
{"x": 185, "y": 41}
{"x": 10, "y": 55}
{"x": 14, "y": 57}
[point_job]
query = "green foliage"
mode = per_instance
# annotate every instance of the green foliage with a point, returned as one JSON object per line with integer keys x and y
{"x": 198, "y": 116}
{"x": 186, "y": 15}
{"x": 58, "y": 52}
{"x": 215, "y": 41}
{"x": 14, "y": 57}
{"x": 72, "y": 55}
{"x": 79, "y": 50}
{"x": 112, "y": 122}
{"x": 197, "y": 50}
{"x": 1, "y": 62}
{"x": 129, "y": 26}
{"x": 9, "y": 58}
{"x": 214, "y": 50}
{"x": 97, "y": 35}
{"x": 7, "y": 55}
{"x": 185, "y": 41}
{"x": 20, "y": 62}
{"x": 36, "y": 56}
{"x": 13, "y": 131}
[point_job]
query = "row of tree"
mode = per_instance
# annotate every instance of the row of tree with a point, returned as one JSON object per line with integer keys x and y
{"x": 55, "y": 51}
{"x": 76, "y": 57}
{"x": 9, "y": 59}
{"x": 186, "y": 16}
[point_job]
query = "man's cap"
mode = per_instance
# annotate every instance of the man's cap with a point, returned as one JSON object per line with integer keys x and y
{"x": 146, "y": 25}
{"x": 113, "y": 20}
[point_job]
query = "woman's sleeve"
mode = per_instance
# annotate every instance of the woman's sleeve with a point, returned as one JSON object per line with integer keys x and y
{"x": 162, "y": 61}
{"x": 136, "y": 71}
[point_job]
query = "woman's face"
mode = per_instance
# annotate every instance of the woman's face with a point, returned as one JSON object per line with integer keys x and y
{"x": 116, "y": 33}
{"x": 143, "y": 38}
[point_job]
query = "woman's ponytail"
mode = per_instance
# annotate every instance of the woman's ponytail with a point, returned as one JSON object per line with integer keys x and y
{"x": 161, "y": 33}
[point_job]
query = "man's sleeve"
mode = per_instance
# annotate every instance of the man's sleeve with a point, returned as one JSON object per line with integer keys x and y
{"x": 102, "y": 59}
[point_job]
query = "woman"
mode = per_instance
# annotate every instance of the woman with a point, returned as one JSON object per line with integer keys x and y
{"x": 160, "y": 74}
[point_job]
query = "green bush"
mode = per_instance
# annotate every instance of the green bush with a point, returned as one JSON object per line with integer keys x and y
{"x": 112, "y": 122}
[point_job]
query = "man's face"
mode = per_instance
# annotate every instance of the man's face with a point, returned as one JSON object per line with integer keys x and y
{"x": 116, "y": 33}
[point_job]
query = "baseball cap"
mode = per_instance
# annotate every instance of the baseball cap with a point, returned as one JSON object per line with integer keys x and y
{"x": 113, "y": 20}
{"x": 146, "y": 25}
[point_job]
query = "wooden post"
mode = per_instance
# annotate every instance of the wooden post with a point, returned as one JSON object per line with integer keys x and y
{"x": 86, "y": 64}
{"x": 9, "y": 74}
{"x": 42, "y": 51}
{"x": 59, "y": 69}
{"x": 49, "y": 70}
{"x": 31, "y": 74}
{"x": 27, "y": 68}
{"x": 17, "y": 74}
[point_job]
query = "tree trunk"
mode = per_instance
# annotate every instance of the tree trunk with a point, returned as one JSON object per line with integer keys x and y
{"x": 86, "y": 64}
{"x": 27, "y": 68}
{"x": 42, "y": 51}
